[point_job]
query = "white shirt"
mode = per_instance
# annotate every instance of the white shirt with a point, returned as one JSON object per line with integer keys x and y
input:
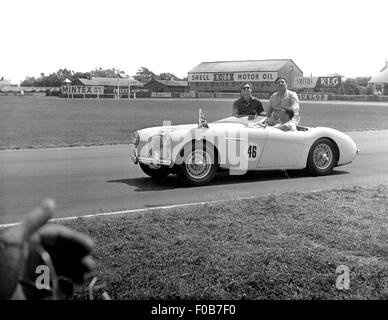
{"x": 286, "y": 126}
{"x": 278, "y": 101}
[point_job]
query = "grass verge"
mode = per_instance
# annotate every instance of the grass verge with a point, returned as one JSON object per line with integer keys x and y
{"x": 286, "y": 246}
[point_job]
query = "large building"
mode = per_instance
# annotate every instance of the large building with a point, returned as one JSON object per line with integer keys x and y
{"x": 379, "y": 82}
{"x": 156, "y": 85}
{"x": 227, "y": 76}
{"x": 108, "y": 86}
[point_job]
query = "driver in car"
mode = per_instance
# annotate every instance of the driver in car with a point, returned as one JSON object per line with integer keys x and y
{"x": 285, "y": 118}
{"x": 247, "y": 105}
{"x": 285, "y": 121}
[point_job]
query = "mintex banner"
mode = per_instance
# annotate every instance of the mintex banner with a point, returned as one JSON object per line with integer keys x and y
{"x": 317, "y": 82}
{"x": 82, "y": 90}
{"x": 232, "y": 77}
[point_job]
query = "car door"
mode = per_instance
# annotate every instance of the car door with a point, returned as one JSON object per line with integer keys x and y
{"x": 282, "y": 149}
{"x": 244, "y": 148}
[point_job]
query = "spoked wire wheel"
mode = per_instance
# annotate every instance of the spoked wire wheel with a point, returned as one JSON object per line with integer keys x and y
{"x": 199, "y": 164}
{"x": 322, "y": 157}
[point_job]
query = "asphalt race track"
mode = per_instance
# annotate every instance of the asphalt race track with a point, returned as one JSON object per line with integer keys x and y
{"x": 103, "y": 179}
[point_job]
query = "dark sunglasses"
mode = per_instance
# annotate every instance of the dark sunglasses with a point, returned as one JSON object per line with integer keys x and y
{"x": 246, "y": 88}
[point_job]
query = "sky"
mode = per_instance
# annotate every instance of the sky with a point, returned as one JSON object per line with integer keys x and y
{"x": 321, "y": 37}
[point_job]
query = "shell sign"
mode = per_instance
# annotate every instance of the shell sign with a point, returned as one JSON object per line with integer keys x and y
{"x": 232, "y": 77}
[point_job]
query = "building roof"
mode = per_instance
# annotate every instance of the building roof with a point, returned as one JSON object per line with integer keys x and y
{"x": 112, "y": 82}
{"x": 170, "y": 83}
{"x": 335, "y": 75}
{"x": 382, "y": 76}
{"x": 5, "y": 83}
{"x": 241, "y": 66}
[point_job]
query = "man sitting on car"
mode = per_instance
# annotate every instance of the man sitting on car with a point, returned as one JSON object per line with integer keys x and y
{"x": 247, "y": 105}
{"x": 283, "y": 98}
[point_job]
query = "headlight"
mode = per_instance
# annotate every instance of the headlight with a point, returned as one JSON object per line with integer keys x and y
{"x": 134, "y": 138}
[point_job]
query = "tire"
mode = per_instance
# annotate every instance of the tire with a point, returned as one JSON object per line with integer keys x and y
{"x": 157, "y": 173}
{"x": 194, "y": 174}
{"x": 322, "y": 157}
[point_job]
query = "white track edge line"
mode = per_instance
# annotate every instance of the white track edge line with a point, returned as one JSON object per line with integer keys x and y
{"x": 191, "y": 204}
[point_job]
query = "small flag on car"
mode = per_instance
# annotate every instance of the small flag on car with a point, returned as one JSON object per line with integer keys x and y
{"x": 202, "y": 123}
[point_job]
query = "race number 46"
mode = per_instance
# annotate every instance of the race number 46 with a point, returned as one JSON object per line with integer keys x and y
{"x": 253, "y": 151}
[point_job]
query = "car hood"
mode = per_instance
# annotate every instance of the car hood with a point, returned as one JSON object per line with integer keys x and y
{"x": 183, "y": 128}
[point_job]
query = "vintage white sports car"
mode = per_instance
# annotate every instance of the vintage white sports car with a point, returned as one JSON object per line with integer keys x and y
{"x": 195, "y": 152}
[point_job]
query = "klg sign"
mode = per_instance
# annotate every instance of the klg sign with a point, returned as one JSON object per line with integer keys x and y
{"x": 317, "y": 82}
{"x": 328, "y": 82}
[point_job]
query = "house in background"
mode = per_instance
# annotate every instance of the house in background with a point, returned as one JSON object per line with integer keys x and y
{"x": 379, "y": 82}
{"x": 228, "y": 76}
{"x": 156, "y": 85}
{"x": 4, "y": 83}
{"x": 111, "y": 85}
{"x": 7, "y": 88}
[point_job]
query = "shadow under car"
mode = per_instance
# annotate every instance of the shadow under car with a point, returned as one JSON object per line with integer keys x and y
{"x": 222, "y": 178}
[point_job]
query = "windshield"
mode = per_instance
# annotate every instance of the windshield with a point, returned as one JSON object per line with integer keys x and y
{"x": 247, "y": 120}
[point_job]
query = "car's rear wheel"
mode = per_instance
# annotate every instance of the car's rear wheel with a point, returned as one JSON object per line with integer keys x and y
{"x": 199, "y": 164}
{"x": 322, "y": 157}
{"x": 155, "y": 172}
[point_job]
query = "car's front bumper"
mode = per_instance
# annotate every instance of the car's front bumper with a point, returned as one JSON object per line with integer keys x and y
{"x": 155, "y": 159}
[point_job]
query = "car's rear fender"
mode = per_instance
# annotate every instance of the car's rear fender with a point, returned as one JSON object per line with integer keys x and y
{"x": 346, "y": 147}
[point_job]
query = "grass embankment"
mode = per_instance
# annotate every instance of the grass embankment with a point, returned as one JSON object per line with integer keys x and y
{"x": 278, "y": 247}
{"x": 30, "y": 122}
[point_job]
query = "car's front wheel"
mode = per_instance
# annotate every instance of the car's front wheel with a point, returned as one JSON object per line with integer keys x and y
{"x": 322, "y": 157}
{"x": 199, "y": 164}
{"x": 156, "y": 173}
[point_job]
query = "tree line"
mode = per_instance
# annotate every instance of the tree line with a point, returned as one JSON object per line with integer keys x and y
{"x": 356, "y": 86}
{"x": 57, "y": 79}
